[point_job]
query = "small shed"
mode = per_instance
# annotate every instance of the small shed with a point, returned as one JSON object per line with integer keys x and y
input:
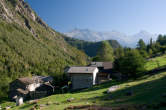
{"x": 82, "y": 77}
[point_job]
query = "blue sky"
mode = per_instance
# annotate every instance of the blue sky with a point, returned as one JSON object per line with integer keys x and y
{"x": 128, "y": 16}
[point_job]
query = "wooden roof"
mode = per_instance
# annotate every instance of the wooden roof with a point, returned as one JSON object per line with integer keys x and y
{"x": 107, "y": 65}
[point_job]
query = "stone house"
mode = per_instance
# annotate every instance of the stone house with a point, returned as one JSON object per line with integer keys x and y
{"x": 82, "y": 77}
{"x": 31, "y": 87}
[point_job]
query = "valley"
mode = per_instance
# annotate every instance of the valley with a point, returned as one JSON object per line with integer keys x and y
{"x": 45, "y": 69}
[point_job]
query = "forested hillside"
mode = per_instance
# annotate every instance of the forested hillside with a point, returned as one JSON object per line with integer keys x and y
{"x": 90, "y": 48}
{"x": 29, "y": 47}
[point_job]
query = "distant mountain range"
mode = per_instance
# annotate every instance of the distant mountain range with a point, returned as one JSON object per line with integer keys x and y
{"x": 122, "y": 38}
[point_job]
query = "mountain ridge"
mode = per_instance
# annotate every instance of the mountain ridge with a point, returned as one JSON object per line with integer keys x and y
{"x": 90, "y": 48}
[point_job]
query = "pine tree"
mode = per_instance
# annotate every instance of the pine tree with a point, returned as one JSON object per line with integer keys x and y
{"x": 119, "y": 52}
{"x": 141, "y": 45}
{"x": 105, "y": 52}
{"x": 151, "y": 42}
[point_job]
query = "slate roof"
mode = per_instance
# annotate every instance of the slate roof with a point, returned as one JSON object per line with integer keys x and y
{"x": 26, "y": 80}
{"x": 81, "y": 69}
{"x": 96, "y": 64}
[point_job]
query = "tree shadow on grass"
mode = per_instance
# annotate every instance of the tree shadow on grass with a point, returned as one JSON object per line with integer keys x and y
{"x": 3, "y": 100}
{"x": 144, "y": 93}
{"x": 156, "y": 70}
{"x": 149, "y": 73}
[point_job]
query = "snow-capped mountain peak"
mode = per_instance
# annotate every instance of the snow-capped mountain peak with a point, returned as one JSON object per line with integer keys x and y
{"x": 122, "y": 38}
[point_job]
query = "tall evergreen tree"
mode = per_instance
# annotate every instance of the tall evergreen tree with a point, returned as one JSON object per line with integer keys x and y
{"x": 151, "y": 42}
{"x": 105, "y": 52}
{"x": 119, "y": 52}
{"x": 160, "y": 39}
{"x": 141, "y": 45}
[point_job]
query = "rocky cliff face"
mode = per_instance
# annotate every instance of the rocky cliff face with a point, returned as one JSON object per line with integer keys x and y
{"x": 4, "y": 12}
{"x": 14, "y": 10}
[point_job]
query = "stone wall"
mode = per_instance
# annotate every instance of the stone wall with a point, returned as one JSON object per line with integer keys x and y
{"x": 80, "y": 81}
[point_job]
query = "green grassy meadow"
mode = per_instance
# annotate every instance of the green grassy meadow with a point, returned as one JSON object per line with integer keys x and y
{"x": 156, "y": 62}
{"x": 147, "y": 90}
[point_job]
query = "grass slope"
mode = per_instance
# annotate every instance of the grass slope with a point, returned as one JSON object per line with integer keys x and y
{"x": 156, "y": 62}
{"x": 146, "y": 90}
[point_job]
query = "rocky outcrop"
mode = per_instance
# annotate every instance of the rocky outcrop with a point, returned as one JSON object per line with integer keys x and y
{"x": 41, "y": 22}
{"x": 22, "y": 9}
{"x": 25, "y": 9}
{"x": 5, "y": 13}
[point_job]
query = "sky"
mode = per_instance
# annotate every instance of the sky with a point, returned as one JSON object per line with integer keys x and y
{"x": 128, "y": 16}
